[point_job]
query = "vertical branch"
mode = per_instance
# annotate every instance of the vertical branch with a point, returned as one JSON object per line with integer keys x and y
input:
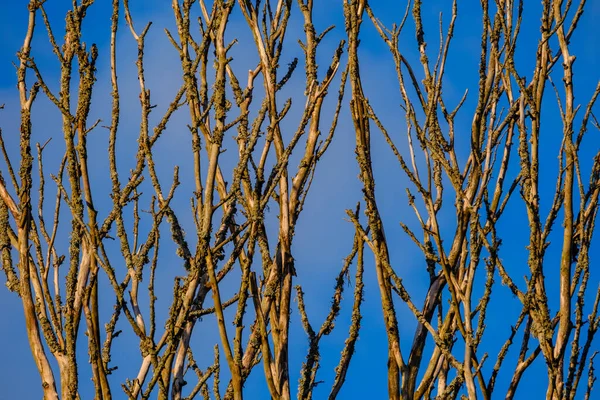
{"x": 353, "y": 11}
{"x": 23, "y": 215}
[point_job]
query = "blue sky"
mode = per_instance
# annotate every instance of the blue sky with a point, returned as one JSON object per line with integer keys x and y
{"x": 323, "y": 237}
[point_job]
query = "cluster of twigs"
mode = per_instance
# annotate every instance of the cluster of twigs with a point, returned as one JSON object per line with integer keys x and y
{"x": 508, "y": 117}
{"x": 60, "y": 292}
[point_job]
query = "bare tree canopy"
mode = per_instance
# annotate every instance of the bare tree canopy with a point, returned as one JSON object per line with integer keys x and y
{"x": 345, "y": 199}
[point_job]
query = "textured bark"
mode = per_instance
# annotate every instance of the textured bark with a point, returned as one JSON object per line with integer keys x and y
{"x": 459, "y": 187}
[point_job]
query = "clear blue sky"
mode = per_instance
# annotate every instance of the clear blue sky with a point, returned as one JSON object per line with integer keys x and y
{"x": 335, "y": 189}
